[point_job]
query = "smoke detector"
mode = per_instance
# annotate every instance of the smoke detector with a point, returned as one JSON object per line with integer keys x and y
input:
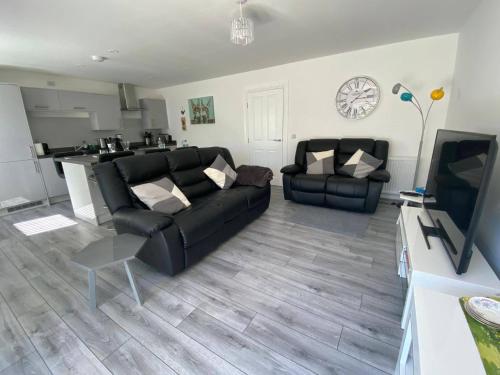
{"x": 97, "y": 58}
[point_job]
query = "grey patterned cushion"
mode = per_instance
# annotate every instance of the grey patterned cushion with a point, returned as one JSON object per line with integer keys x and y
{"x": 360, "y": 165}
{"x": 161, "y": 195}
{"x": 320, "y": 162}
{"x": 221, "y": 173}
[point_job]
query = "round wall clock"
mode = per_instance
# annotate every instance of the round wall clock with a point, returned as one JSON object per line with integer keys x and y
{"x": 358, "y": 97}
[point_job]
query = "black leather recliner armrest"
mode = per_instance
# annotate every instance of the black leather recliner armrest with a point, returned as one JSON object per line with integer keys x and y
{"x": 380, "y": 175}
{"x": 139, "y": 221}
{"x": 291, "y": 169}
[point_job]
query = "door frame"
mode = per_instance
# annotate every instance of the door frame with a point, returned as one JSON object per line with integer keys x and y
{"x": 284, "y": 137}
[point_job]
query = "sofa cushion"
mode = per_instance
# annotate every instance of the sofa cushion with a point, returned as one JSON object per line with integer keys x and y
{"x": 347, "y": 186}
{"x": 313, "y": 145}
{"x": 313, "y": 183}
{"x": 208, "y": 155}
{"x": 221, "y": 173}
{"x": 187, "y": 173}
{"x": 348, "y": 146}
{"x": 232, "y": 202}
{"x": 141, "y": 168}
{"x": 360, "y": 165}
{"x": 161, "y": 195}
{"x": 199, "y": 221}
{"x": 320, "y": 162}
{"x": 254, "y": 195}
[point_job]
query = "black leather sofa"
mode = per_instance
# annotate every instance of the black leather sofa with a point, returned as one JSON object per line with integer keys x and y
{"x": 336, "y": 191}
{"x": 177, "y": 241}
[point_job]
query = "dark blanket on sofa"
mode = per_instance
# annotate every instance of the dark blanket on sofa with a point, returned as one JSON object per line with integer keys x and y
{"x": 253, "y": 175}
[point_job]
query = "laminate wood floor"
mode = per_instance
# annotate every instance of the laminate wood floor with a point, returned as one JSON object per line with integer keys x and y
{"x": 278, "y": 298}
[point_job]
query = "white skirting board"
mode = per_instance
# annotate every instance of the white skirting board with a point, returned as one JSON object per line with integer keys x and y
{"x": 402, "y": 170}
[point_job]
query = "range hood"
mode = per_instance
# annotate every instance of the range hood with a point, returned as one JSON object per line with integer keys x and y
{"x": 128, "y": 100}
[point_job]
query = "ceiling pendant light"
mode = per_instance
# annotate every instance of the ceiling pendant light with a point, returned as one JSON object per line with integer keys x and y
{"x": 242, "y": 28}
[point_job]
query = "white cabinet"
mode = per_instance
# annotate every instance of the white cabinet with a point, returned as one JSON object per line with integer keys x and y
{"x": 15, "y": 136}
{"x": 24, "y": 183}
{"x": 154, "y": 113}
{"x": 56, "y": 186}
{"x": 105, "y": 112}
{"x": 74, "y": 101}
{"x": 40, "y": 99}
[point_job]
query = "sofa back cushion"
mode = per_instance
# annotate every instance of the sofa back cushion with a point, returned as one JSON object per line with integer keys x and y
{"x": 313, "y": 145}
{"x": 348, "y": 146}
{"x": 186, "y": 170}
{"x": 142, "y": 168}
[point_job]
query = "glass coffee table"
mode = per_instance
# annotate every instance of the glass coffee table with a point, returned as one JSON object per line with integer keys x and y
{"x": 106, "y": 252}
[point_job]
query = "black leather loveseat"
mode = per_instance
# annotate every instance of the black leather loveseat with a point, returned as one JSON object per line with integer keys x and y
{"x": 177, "y": 241}
{"x": 336, "y": 191}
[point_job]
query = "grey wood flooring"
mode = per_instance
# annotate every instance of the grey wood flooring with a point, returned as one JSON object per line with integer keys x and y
{"x": 281, "y": 297}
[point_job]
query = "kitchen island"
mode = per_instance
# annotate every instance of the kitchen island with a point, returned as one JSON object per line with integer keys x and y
{"x": 84, "y": 192}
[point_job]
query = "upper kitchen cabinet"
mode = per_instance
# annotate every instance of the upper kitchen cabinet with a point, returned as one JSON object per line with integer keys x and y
{"x": 74, "y": 101}
{"x": 154, "y": 113}
{"x": 36, "y": 99}
{"x": 105, "y": 112}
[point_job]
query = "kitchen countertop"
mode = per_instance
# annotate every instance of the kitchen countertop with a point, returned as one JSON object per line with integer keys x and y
{"x": 91, "y": 159}
{"x": 135, "y": 146}
{"x": 87, "y": 160}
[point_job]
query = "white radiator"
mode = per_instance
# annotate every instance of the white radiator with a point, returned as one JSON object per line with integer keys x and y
{"x": 402, "y": 170}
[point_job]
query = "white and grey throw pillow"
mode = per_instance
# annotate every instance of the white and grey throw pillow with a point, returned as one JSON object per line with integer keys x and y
{"x": 360, "y": 165}
{"x": 221, "y": 173}
{"x": 161, "y": 195}
{"x": 320, "y": 162}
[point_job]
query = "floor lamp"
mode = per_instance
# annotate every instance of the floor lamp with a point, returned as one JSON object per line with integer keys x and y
{"x": 408, "y": 97}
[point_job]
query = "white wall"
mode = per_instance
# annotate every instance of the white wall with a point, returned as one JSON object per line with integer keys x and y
{"x": 421, "y": 64}
{"x": 65, "y": 132}
{"x": 475, "y": 106}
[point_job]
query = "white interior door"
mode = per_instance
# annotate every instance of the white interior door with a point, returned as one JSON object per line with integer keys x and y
{"x": 265, "y": 129}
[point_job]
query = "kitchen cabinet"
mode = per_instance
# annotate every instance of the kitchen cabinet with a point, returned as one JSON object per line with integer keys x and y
{"x": 22, "y": 184}
{"x": 105, "y": 112}
{"x": 36, "y": 99}
{"x": 74, "y": 101}
{"x": 154, "y": 113}
{"x": 15, "y": 135}
{"x": 56, "y": 186}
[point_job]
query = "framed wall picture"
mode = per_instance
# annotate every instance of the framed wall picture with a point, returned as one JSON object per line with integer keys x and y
{"x": 201, "y": 110}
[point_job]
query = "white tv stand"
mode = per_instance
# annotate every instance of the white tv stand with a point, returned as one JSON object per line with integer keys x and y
{"x": 435, "y": 327}
{"x": 433, "y": 269}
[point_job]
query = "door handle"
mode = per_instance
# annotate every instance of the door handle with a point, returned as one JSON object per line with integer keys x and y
{"x": 41, "y": 106}
{"x": 277, "y": 140}
{"x": 36, "y": 166}
{"x": 32, "y": 151}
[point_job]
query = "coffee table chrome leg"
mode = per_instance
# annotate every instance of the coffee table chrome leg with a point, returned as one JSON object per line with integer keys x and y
{"x": 92, "y": 297}
{"x": 133, "y": 284}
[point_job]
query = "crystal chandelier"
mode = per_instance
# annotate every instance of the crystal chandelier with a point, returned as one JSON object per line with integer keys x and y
{"x": 242, "y": 28}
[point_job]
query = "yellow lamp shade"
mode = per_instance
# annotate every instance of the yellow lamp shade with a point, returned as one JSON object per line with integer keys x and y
{"x": 437, "y": 94}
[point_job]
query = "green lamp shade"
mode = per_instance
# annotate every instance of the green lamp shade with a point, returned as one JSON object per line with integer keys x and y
{"x": 406, "y": 97}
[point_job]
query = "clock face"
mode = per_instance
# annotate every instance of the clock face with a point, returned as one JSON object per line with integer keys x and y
{"x": 358, "y": 97}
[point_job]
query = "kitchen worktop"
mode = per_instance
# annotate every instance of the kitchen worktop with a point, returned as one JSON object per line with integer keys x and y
{"x": 87, "y": 160}
{"x": 91, "y": 159}
{"x": 135, "y": 146}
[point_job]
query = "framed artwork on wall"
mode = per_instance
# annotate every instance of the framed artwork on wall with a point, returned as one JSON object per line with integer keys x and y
{"x": 201, "y": 110}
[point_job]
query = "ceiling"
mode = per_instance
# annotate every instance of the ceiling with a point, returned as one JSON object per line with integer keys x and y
{"x": 167, "y": 42}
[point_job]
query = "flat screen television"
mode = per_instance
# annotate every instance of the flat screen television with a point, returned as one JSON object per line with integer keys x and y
{"x": 459, "y": 175}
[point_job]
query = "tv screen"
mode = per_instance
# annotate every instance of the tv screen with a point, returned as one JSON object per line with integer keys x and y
{"x": 458, "y": 178}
